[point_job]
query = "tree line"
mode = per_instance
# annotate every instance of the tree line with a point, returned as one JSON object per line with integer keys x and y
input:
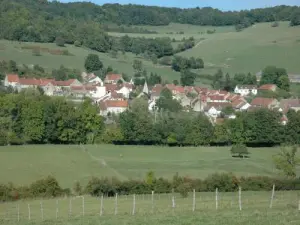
{"x": 49, "y": 187}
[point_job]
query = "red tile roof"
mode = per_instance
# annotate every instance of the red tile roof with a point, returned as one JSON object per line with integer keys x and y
{"x": 111, "y": 87}
{"x": 116, "y": 95}
{"x": 179, "y": 89}
{"x": 113, "y": 104}
{"x": 44, "y": 82}
{"x": 12, "y": 78}
{"x": 114, "y": 77}
{"x": 63, "y": 82}
{"x": 29, "y": 81}
{"x": 217, "y": 97}
{"x": 263, "y": 102}
{"x": 267, "y": 87}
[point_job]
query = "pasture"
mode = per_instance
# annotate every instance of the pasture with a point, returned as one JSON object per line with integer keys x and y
{"x": 70, "y": 163}
{"x": 226, "y": 209}
{"x": 248, "y": 51}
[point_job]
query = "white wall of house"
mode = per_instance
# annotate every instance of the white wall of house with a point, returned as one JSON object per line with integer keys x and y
{"x": 151, "y": 105}
{"x": 100, "y": 92}
{"x": 124, "y": 91}
{"x": 245, "y": 106}
{"x": 213, "y": 112}
{"x": 7, "y": 83}
{"x": 97, "y": 80}
{"x": 49, "y": 89}
{"x": 245, "y": 91}
{"x": 116, "y": 110}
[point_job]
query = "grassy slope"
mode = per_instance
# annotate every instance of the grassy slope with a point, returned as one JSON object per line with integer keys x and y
{"x": 252, "y": 50}
{"x": 247, "y": 51}
{"x": 24, "y": 164}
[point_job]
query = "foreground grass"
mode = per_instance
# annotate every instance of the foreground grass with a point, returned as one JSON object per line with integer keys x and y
{"x": 70, "y": 163}
{"x": 255, "y": 210}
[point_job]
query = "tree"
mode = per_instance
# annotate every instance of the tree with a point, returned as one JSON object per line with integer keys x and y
{"x": 77, "y": 43}
{"x": 274, "y": 75}
{"x": 175, "y": 82}
{"x": 228, "y": 110}
{"x": 239, "y": 150}
{"x": 286, "y": 161}
{"x": 167, "y": 103}
{"x": 295, "y": 19}
{"x": 77, "y": 188}
{"x": 60, "y": 41}
{"x": 187, "y": 78}
{"x": 218, "y": 80}
{"x": 12, "y": 66}
{"x": 92, "y": 63}
{"x": 138, "y": 67}
{"x": 228, "y": 85}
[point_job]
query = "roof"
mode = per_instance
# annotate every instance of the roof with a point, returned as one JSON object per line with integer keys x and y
{"x": 201, "y": 90}
{"x": 290, "y": 103}
{"x": 267, "y": 87}
{"x": 116, "y": 95}
{"x": 12, "y": 78}
{"x": 29, "y": 81}
{"x": 179, "y": 89}
{"x": 217, "y": 97}
{"x": 128, "y": 85}
{"x": 63, "y": 82}
{"x": 264, "y": 102}
{"x": 44, "y": 82}
{"x": 113, "y": 104}
{"x": 238, "y": 103}
{"x": 113, "y": 76}
{"x": 111, "y": 87}
{"x": 83, "y": 88}
{"x": 157, "y": 89}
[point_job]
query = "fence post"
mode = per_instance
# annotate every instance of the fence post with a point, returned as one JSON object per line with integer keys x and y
{"x": 299, "y": 205}
{"x": 82, "y": 205}
{"x": 116, "y": 204}
{"x": 217, "y": 203}
{"x": 272, "y": 196}
{"x": 101, "y": 206}
{"x": 18, "y": 212}
{"x": 240, "y": 198}
{"x": 194, "y": 200}
{"x": 133, "y": 205}
{"x": 173, "y": 202}
{"x": 29, "y": 212}
{"x": 42, "y": 210}
{"x": 70, "y": 207}
{"x": 56, "y": 214}
{"x": 152, "y": 201}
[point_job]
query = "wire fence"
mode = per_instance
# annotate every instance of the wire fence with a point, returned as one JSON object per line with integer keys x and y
{"x": 81, "y": 206}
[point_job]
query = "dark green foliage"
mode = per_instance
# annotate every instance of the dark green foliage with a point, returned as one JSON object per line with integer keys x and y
{"x": 167, "y": 103}
{"x": 274, "y": 75}
{"x": 92, "y": 63}
{"x": 275, "y": 24}
{"x": 295, "y": 18}
{"x": 239, "y": 150}
{"x": 180, "y": 63}
{"x": 243, "y": 79}
{"x": 29, "y": 117}
{"x": 77, "y": 43}
{"x": 77, "y": 188}
{"x": 187, "y": 78}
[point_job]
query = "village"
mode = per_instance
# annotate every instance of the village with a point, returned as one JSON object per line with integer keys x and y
{"x": 113, "y": 95}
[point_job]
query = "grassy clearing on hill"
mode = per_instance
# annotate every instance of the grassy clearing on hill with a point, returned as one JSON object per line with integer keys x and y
{"x": 68, "y": 163}
{"x": 255, "y": 210}
{"x": 248, "y": 51}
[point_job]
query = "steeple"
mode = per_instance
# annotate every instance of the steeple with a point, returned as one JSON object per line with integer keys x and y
{"x": 145, "y": 89}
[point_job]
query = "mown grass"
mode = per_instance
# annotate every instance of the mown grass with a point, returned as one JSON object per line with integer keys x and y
{"x": 255, "y": 210}
{"x": 70, "y": 163}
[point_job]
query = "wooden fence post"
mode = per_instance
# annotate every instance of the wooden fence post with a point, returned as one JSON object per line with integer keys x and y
{"x": 116, "y": 204}
{"x": 217, "y": 203}
{"x": 101, "y": 206}
{"x": 173, "y": 202}
{"x": 29, "y": 212}
{"x": 42, "y": 210}
{"x": 152, "y": 201}
{"x": 56, "y": 214}
{"x": 194, "y": 200}
{"x": 70, "y": 207}
{"x": 272, "y": 196}
{"x": 133, "y": 205}
{"x": 83, "y": 209}
{"x": 240, "y": 198}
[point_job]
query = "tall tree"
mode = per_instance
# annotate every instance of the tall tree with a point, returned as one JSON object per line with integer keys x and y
{"x": 187, "y": 78}
{"x": 92, "y": 63}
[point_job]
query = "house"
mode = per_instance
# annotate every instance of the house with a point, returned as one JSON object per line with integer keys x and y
{"x": 217, "y": 98}
{"x": 240, "y": 105}
{"x": 245, "y": 90}
{"x": 198, "y": 104}
{"x": 155, "y": 92}
{"x": 125, "y": 90}
{"x": 176, "y": 90}
{"x": 151, "y": 105}
{"x": 113, "y": 106}
{"x": 269, "y": 103}
{"x": 96, "y": 81}
{"x": 11, "y": 80}
{"x": 185, "y": 102}
{"x": 67, "y": 83}
{"x": 111, "y": 87}
{"x": 113, "y": 78}
{"x": 268, "y": 87}
{"x": 286, "y": 104}
{"x": 214, "y": 109}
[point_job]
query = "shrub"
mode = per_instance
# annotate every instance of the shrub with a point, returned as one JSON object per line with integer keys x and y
{"x": 47, "y": 187}
{"x": 77, "y": 43}
{"x": 60, "y": 41}
{"x": 183, "y": 189}
{"x": 77, "y": 188}
{"x": 239, "y": 150}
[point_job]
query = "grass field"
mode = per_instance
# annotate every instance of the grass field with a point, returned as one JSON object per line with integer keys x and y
{"x": 70, "y": 163}
{"x": 76, "y": 210}
{"x": 248, "y": 51}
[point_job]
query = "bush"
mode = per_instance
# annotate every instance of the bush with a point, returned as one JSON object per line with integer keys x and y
{"x": 60, "y": 41}
{"x": 77, "y": 43}
{"x": 77, "y": 188}
{"x": 239, "y": 150}
{"x": 47, "y": 187}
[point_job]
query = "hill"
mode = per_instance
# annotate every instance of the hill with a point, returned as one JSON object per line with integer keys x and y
{"x": 68, "y": 163}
